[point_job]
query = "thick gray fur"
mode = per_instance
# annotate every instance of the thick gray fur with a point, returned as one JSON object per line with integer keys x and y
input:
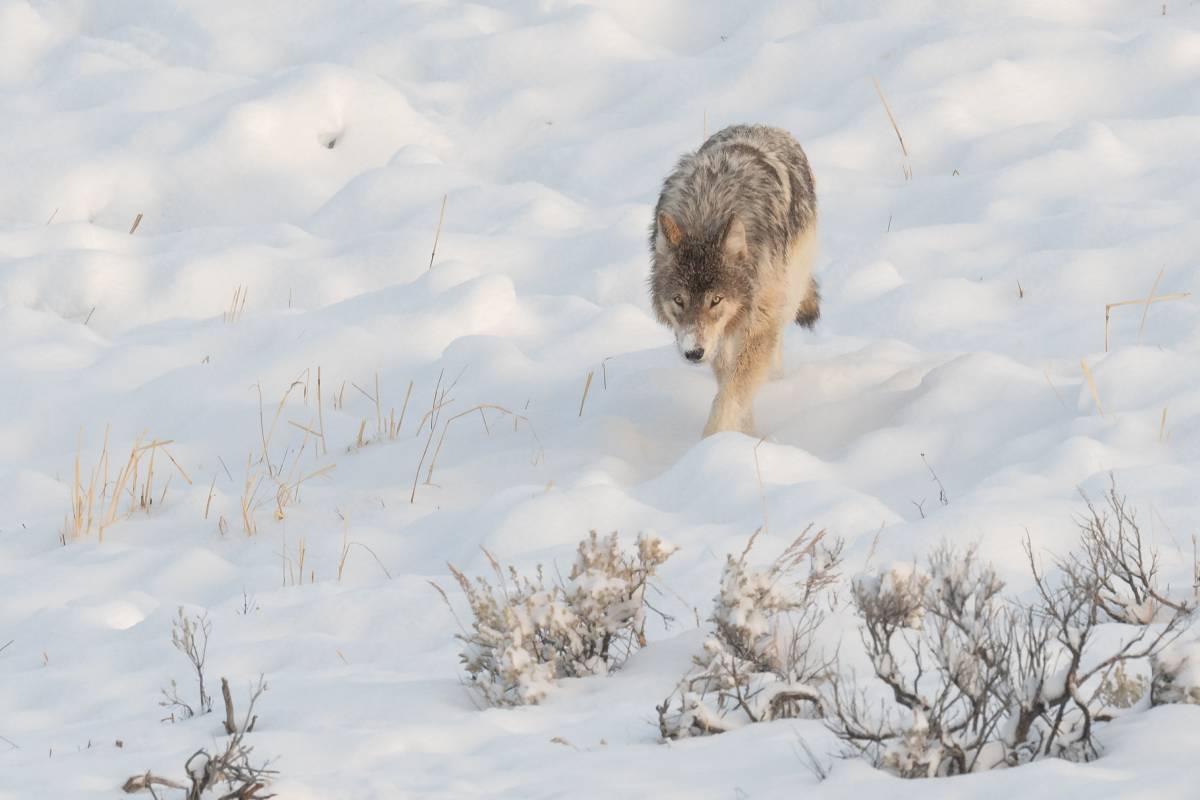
{"x": 733, "y": 243}
{"x": 761, "y": 175}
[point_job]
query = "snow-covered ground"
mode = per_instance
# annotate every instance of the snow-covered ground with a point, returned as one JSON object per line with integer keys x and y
{"x": 298, "y": 153}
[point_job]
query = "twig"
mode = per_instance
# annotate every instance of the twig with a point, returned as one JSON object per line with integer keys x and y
{"x": 148, "y": 781}
{"x": 230, "y": 723}
{"x": 942, "y": 498}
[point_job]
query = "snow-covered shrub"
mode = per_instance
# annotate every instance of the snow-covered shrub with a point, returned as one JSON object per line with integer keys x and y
{"x": 977, "y": 681}
{"x": 760, "y": 662}
{"x": 526, "y": 633}
{"x": 1130, "y": 590}
{"x": 1175, "y": 675}
{"x": 950, "y": 618}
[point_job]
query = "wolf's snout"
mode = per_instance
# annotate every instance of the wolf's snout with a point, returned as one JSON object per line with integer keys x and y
{"x": 694, "y": 355}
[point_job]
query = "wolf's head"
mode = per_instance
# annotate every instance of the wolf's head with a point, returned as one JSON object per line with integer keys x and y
{"x": 699, "y": 284}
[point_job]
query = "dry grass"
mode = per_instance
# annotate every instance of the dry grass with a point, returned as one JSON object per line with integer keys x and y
{"x": 345, "y": 554}
{"x": 284, "y": 470}
{"x": 1145, "y": 303}
{"x": 387, "y": 428}
{"x": 441, "y": 399}
{"x": 438, "y": 234}
{"x": 321, "y": 414}
{"x": 907, "y": 165}
{"x": 237, "y": 306}
{"x": 480, "y": 409}
{"x": 249, "y": 493}
{"x": 433, "y": 418}
{"x": 1091, "y": 381}
{"x": 762, "y": 494}
{"x": 136, "y": 221}
{"x": 293, "y": 568}
{"x": 211, "y": 490}
{"x": 135, "y": 482}
{"x": 587, "y": 384}
{"x": 1050, "y": 383}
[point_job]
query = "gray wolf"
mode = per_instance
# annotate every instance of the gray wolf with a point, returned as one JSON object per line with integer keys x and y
{"x": 732, "y": 245}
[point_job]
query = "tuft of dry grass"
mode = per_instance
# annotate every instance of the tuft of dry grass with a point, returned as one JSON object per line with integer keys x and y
{"x": 481, "y": 408}
{"x": 432, "y": 418}
{"x": 249, "y": 493}
{"x": 284, "y": 470}
{"x": 237, "y": 306}
{"x": 441, "y": 399}
{"x": 293, "y": 568}
{"x": 135, "y": 481}
{"x": 387, "y": 428}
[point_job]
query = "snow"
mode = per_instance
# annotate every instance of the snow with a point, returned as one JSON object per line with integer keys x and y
{"x": 302, "y": 151}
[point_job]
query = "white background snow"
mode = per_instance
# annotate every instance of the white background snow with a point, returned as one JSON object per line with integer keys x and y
{"x": 302, "y": 149}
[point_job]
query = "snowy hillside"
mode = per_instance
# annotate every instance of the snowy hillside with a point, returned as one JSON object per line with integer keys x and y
{"x": 216, "y": 230}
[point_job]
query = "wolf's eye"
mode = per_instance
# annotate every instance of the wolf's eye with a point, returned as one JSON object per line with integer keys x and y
{"x": 679, "y": 300}
{"x": 716, "y": 300}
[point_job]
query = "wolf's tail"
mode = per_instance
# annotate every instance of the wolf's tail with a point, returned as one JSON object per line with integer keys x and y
{"x": 810, "y": 309}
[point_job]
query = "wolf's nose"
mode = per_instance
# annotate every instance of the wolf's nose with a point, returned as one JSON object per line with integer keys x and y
{"x": 694, "y": 355}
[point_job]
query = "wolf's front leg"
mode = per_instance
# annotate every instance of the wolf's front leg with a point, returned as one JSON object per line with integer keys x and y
{"x": 737, "y": 383}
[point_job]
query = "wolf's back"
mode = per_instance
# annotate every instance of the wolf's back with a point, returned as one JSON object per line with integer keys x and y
{"x": 758, "y": 173}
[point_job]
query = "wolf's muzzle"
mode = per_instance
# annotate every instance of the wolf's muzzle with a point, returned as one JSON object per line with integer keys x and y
{"x": 694, "y": 355}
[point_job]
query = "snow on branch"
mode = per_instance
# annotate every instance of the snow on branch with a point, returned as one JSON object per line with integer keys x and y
{"x": 526, "y": 633}
{"x": 760, "y": 663}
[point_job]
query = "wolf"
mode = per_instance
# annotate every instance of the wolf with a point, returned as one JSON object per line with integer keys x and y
{"x": 732, "y": 246}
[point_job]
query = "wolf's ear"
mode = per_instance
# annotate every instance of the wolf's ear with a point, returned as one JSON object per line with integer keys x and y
{"x": 733, "y": 240}
{"x": 668, "y": 229}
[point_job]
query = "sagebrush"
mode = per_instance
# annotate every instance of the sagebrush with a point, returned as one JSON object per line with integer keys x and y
{"x": 760, "y": 662}
{"x": 976, "y": 680}
{"x": 526, "y": 633}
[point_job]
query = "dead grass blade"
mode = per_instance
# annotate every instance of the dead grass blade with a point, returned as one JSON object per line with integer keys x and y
{"x": 907, "y": 166}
